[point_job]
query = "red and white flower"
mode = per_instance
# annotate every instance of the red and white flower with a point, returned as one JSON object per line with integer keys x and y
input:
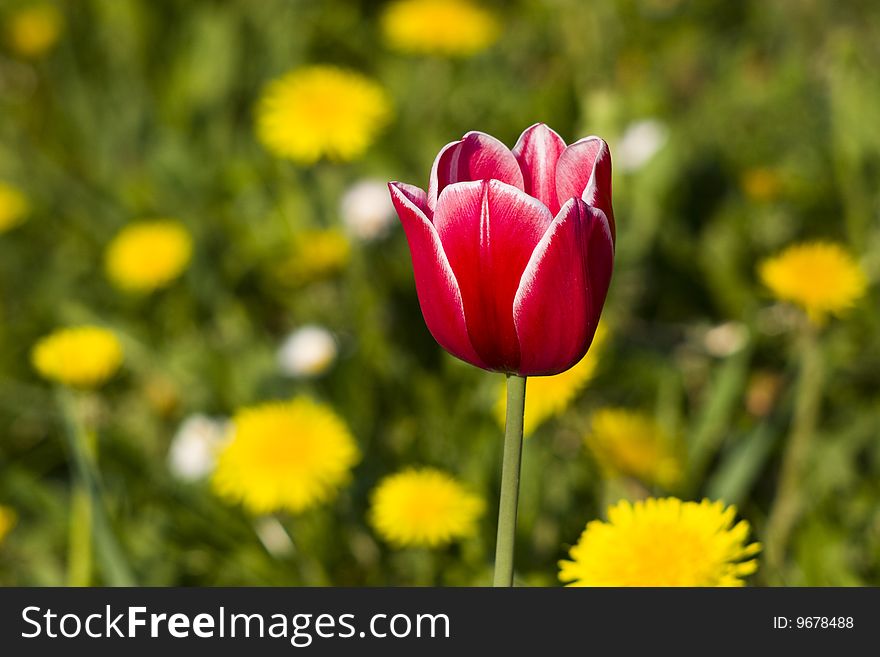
{"x": 513, "y": 249}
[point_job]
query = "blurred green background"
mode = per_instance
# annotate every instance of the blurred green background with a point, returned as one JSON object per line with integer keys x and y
{"x": 736, "y": 128}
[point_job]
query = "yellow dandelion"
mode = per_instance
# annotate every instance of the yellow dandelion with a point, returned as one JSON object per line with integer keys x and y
{"x": 285, "y": 456}
{"x": 14, "y": 207}
{"x": 321, "y": 111}
{"x": 81, "y": 356}
{"x": 631, "y": 443}
{"x": 424, "y": 508}
{"x": 33, "y": 30}
{"x": 820, "y": 277}
{"x": 147, "y": 255}
{"x": 663, "y": 542}
{"x": 7, "y": 521}
{"x": 439, "y": 27}
{"x": 315, "y": 254}
{"x": 549, "y": 396}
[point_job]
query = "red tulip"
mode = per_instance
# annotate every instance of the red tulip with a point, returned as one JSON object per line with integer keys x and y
{"x": 512, "y": 250}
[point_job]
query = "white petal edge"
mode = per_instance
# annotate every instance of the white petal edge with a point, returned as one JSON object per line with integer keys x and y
{"x": 590, "y": 190}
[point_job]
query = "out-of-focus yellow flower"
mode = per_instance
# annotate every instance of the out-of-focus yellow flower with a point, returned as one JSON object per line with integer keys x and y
{"x": 81, "y": 356}
{"x": 321, "y": 111}
{"x": 424, "y": 508}
{"x": 820, "y": 277}
{"x": 454, "y": 28}
{"x": 630, "y": 443}
{"x": 33, "y": 30}
{"x": 663, "y": 542}
{"x": 761, "y": 184}
{"x": 162, "y": 394}
{"x": 7, "y": 521}
{"x": 14, "y": 207}
{"x": 548, "y": 396}
{"x": 315, "y": 254}
{"x": 285, "y": 456}
{"x": 148, "y": 255}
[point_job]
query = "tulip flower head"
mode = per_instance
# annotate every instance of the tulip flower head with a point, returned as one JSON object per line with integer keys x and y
{"x": 513, "y": 249}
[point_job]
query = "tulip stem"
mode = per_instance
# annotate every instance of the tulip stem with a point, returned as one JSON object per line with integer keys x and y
{"x": 510, "y": 468}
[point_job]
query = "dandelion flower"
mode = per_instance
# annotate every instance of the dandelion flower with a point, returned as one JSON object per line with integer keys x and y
{"x": 82, "y": 356}
{"x": 663, "y": 542}
{"x": 630, "y": 443}
{"x": 148, "y": 255}
{"x": 366, "y": 209}
{"x": 423, "y": 508}
{"x": 315, "y": 254}
{"x": 453, "y": 28}
{"x": 549, "y": 396}
{"x": 285, "y": 456}
{"x": 307, "y": 351}
{"x": 31, "y": 32}
{"x": 820, "y": 277}
{"x": 321, "y": 111}
{"x": 14, "y": 207}
{"x": 7, "y": 521}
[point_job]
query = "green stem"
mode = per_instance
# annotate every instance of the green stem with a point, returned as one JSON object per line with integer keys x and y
{"x": 308, "y": 532}
{"x": 786, "y": 507}
{"x": 79, "y": 554}
{"x": 310, "y": 179}
{"x": 421, "y": 565}
{"x": 82, "y": 446}
{"x": 513, "y": 437}
{"x": 715, "y": 420}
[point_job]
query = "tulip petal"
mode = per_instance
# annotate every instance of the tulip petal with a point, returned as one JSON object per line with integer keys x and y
{"x": 559, "y": 300}
{"x": 489, "y": 230}
{"x": 477, "y": 156}
{"x": 537, "y": 152}
{"x": 584, "y": 171}
{"x": 436, "y": 286}
{"x": 415, "y": 195}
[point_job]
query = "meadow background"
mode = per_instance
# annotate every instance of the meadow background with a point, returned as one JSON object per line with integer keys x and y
{"x": 736, "y": 129}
